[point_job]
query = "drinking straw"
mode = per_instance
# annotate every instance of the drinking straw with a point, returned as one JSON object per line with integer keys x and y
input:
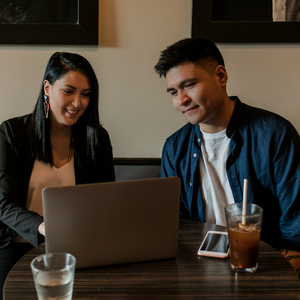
{"x": 245, "y": 201}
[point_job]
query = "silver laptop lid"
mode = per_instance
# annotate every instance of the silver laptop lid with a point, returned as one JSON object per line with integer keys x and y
{"x": 114, "y": 222}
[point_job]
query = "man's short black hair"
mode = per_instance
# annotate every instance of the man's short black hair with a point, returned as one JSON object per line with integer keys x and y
{"x": 199, "y": 51}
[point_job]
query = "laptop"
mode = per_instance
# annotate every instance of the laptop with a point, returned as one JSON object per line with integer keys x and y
{"x": 114, "y": 222}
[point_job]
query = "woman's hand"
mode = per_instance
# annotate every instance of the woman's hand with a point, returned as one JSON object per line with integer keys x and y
{"x": 41, "y": 229}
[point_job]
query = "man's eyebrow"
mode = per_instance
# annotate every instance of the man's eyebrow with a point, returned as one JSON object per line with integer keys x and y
{"x": 170, "y": 89}
{"x": 182, "y": 83}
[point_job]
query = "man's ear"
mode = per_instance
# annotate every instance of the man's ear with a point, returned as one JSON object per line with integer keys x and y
{"x": 221, "y": 74}
{"x": 46, "y": 87}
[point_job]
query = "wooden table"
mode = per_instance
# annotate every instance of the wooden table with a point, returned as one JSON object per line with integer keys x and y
{"x": 186, "y": 277}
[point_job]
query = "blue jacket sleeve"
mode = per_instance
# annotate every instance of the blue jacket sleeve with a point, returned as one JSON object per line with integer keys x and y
{"x": 287, "y": 178}
{"x": 167, "y": 161}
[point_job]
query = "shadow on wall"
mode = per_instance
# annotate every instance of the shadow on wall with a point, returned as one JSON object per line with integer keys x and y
{"x": 107, "y": 23}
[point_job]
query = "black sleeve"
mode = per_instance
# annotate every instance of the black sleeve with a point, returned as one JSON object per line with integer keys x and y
{"x": 12, "y": 199}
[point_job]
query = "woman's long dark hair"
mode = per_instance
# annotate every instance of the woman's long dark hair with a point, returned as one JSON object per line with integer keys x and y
{"x": 85, "y": 132}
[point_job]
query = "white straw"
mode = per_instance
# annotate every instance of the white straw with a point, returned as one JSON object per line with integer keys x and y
{"x": 245, "y": 201}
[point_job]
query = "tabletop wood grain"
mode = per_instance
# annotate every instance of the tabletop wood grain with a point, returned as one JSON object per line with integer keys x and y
{"x": 186, "y": 277}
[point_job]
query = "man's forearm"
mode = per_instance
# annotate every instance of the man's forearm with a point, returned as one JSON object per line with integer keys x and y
{"x": 293, "y": 257}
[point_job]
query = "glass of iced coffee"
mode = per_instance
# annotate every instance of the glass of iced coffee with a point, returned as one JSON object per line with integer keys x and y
{"x": 244, "y": 236}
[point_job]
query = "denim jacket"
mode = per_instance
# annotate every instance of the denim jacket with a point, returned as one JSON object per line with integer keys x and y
{"x": 265, "y": 149}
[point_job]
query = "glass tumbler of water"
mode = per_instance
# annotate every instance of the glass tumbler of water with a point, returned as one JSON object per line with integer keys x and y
{"x": 53, "y": 275}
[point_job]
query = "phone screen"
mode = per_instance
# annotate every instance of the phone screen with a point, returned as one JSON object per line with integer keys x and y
{"x": 215, "y": 242}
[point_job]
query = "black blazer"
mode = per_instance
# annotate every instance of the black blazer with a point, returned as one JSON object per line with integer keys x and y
{"x": 16, "y": 164}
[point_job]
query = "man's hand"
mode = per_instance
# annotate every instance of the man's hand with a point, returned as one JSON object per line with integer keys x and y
{"x": 41, "y": 229}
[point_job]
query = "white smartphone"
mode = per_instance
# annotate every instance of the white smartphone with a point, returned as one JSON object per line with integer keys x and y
{"x": 215, "y": 244}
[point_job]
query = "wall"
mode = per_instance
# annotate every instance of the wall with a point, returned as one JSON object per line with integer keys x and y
{"x": 134, "y": 105}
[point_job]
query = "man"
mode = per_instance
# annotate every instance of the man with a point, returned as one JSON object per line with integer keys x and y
{"x": 225, "y": 142}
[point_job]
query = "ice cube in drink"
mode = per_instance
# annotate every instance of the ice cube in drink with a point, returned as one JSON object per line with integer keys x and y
{"x": 244, "y": 244}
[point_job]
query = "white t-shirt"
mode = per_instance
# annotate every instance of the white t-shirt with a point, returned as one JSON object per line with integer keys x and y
{"x": 216, "y": 190}
{"x": 43, "y": 175}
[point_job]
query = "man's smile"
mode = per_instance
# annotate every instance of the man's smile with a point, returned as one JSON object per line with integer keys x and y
{"x": 190, "y": 109}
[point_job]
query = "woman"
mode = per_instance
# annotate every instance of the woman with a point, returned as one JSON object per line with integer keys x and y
{"x": 60, "y": 143}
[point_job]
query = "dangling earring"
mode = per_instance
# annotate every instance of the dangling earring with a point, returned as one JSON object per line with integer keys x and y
{"x": 46, "y": 106}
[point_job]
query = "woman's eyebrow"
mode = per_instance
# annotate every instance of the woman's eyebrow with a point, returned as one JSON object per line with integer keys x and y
{"x": 68, "y": 85}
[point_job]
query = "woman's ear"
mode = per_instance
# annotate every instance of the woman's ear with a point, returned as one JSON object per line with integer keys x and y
{"x": 46, "y": 87}
{"x": 221, "y": 73}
